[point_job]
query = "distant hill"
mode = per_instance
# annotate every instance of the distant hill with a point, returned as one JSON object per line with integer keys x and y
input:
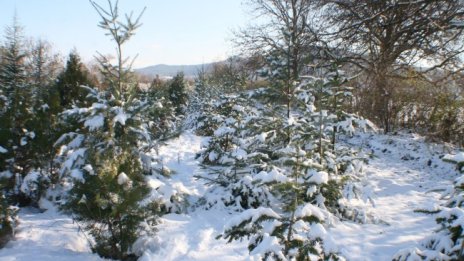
{"x": 164, "y": 70}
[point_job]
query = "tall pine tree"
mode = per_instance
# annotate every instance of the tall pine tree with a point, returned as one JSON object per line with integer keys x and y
{"x": 16, "y": 128}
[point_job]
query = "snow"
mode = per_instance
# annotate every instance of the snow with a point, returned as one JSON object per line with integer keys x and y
{"x": 77, "y": 175}
{"x": 459, "y": 157}
{"x": 30, "y": 182}
{"x": 317, "y": 231}
{"x": 239, "y": 154}
{"x": 6, "y": 174}
{"x": 271, "y": 176}
{"x": 262, "y": 137}
{"x": 123, "y": 178}
{"x": 221, "y": 131}
{"x": 3, "y": 150}
{"x": 47, "y": 236}
{"x": 212, "y": 156}
{"x": 251, "y": 214}
{"x": 269, "y": 244}
{"x": 89, "y": 169}
{"x": 401, "y": 185}
{"x": 95, "y": 122}
{"x": 23, "y": 141}
{"x": 310, "y": 210}
{"x": 404, "y": 172}
{"x": 319, "y": 177}
{"x": 121, "y": 116}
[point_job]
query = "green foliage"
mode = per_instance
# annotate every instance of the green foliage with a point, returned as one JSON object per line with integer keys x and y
{"x": 8, "y": 219}
{"x": 17, "y": 130}
{"x": 103, "y": 160}
{"x": 107, "y": 172}
{"x": 177, "y": 93}
{"x": 108, "y": 203}
{"x": 69, "y": 82}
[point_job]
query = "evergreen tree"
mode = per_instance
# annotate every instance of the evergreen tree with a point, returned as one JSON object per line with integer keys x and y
{"x": 178, "y": 94}
{"x": 16, "y": 131}
{"x": 103, "y": 161}
{"x": 201, "y": 101}
{"x": 43, "y": 68}
{"x": 282, "y": 169}
{"x": 69, "y": 82}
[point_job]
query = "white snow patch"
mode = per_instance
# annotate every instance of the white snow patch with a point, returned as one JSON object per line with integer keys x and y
{"x": 77, "y": 175}
{"x": 121, "y": 116}
{"x": 269, "y": 244}
{"x": 3, "y": 150}
{"x": 47, "y": 236}
{"x": 23, "y": 141}
{"x": 459, "y": 157}
{"x": 123, "y": 178}
{"x": 318, "y": 177}
{"x": 251, "y": 214}
{"x": 30, "y": 182}
{"x": 309, "y": 210}
{"x": 271, "y": 176}
{"x": 89, "y": 169}
{"x": 6, "y": 174}
{"x": 95, "y": 122}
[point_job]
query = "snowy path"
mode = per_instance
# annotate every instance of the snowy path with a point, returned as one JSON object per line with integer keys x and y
{"x": 46, "y": 236}
{"x": 401, "y": 179}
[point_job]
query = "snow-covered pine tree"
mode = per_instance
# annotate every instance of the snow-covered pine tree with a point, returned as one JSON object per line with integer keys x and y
{"x": 201, "y": 101}
{"x": 177, "y": 93}
{"x": 291, "y": 225}
{"x": 233, "y": 154}
{"x": 329, "y": 94}
{"x": 102, "y": 162}
{"x": 299, "y": 176}
{"x": 17, "y": 129}
{"x": 42, "y": 68}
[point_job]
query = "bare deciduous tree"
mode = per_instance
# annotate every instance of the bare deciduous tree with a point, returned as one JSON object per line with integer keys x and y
{"x": 388, "y": 37}
{"x": 282, "y": 31}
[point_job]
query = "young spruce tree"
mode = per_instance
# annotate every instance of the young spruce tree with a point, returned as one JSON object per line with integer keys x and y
{"x": 102, "y": 161}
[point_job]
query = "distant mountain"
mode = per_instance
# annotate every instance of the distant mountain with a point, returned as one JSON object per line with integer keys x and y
{"x": 164, "y": 70}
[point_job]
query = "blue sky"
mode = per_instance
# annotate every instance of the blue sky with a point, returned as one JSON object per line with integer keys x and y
{"x": 173, "y": 31}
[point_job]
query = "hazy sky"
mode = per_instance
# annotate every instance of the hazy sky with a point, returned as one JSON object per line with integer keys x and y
{"x": 173, "y": 31}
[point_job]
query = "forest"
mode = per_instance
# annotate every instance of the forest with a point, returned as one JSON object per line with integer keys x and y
{"x": 336, "y": 132}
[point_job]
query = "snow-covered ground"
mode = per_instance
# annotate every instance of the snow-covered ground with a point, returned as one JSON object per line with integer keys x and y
{"x": 404, "y": 173}
{"x": 47, "y": 236}
{"x": 191, "y": 236}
